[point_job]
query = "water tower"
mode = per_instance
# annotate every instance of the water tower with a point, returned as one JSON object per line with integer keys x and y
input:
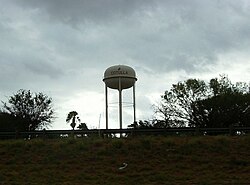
{"x": 119, "y": 77}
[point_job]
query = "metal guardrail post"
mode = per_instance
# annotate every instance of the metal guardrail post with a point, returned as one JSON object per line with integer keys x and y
{"x": 197, "y": 131}
{"x": 16, "y": 134}
{"x": 231, "y": 130}
{"x": 44, "y": 134}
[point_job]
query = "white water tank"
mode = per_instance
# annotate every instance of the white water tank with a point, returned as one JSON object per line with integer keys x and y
{"x": 125, "y": 74}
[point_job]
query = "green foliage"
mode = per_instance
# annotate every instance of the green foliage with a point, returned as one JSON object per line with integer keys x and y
{"x": 31, "y": 110}
{"x": 219, "y": 103}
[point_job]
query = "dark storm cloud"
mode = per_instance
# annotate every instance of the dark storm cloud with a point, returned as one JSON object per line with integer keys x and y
{"x": 77, "y": 11}
{"x": 174, "y": 34}
{"x": 63, "y": 46}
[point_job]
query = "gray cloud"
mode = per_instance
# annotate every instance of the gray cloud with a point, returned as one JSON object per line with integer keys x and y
{"x": 78, "y": 11}
{"x": 63, "y": 47}
{"x": 175, "y": 34}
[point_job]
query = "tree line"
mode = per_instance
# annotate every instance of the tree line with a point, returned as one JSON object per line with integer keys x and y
{"x": 193, "y": 102}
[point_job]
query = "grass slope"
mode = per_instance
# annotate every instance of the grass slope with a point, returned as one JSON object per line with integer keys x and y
{"x": 151, "y": 160}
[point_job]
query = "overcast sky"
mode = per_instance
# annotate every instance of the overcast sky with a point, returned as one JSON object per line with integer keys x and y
{"x": 63, "y": 47}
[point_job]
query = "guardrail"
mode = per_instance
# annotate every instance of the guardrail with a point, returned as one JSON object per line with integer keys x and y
{"x": 131, "y": 131}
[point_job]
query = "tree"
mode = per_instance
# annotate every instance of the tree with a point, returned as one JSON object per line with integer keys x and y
{"x": 175, "y": 108}
{"x": 142, "y": 124}
{"x": 219, "y": 103}
{"x": 148, "y": 124}
{"x": 72, "y": 116}
{"x": 10, "y": 123}
{"x": 33, "y": 110}
{"x": 226, "y": 109}
{"x": 83, "y": 126}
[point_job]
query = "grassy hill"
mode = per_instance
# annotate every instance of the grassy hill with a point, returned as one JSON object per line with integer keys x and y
{"x": 151, "y": 160}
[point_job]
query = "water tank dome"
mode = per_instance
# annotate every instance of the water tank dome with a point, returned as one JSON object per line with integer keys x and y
{"x": 125, "y": 74}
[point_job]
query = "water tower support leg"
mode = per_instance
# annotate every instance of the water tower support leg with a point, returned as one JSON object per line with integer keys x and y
{"x": 106, "y": 101}
{"x": 134, "y": 103}
{"x": 120, "y": 102}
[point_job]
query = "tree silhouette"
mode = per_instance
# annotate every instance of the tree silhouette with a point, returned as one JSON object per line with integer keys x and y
{"x": 34, "y": 110}
{"x": 83, "y": 126}
{"x": 176, "y": 105}
{"x": 72, "y": 116}
{"x": 10, "y": 123}
{"x": 219, "y": 103}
